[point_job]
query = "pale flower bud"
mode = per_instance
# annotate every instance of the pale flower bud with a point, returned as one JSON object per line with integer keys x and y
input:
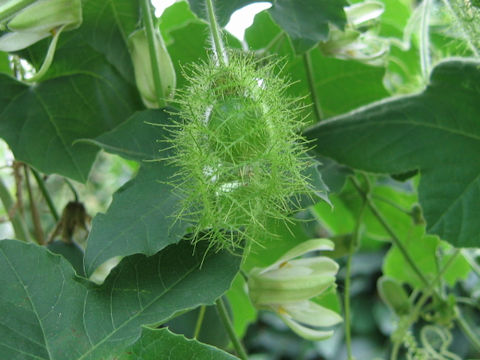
{"x": 139, "y": 51}
{"x": 288, "y": 285}
{"x": 39, "y": 20}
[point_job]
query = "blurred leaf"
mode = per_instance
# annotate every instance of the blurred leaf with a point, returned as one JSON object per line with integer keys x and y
{"x": 161, "y": 344}
{"x": 436, "y": 131}
{"x": 422, "y": 248}
{"x": 49, "y": 313}
{"x": 307, "y": 21}
{"x": 141, "y": 218}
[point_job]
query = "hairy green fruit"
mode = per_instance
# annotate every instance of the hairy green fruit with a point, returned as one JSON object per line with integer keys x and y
{"x": 237, "y": 146}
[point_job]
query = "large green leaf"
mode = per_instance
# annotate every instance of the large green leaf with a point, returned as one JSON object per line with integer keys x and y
{"x": 307, "y": 21}
{"x": 41, "y": 122}
{"x": 141, "y": 218}
{"x": 162, "y": 344}
{"x": 48, "y": 313}
{"x": 436, "y": 131}
{"x": 341, "y": 85}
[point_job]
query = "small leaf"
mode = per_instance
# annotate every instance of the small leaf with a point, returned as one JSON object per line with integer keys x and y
{"x": 394, "y": 295}
{"x": 223, "y": 9}
{"x": 307, "y": 21}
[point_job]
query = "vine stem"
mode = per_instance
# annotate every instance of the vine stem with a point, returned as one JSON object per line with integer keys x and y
{"x": 10, "y": 8}
{"x": 354, "y": 242}
{"x": 469, "y": 333}
{"x": 395, "y": 238}
{"x": 45, "y": 193}
{"x": 72, "y": 189}
{"x": 199, "y": 323}
{"x": 307, "y": 62}
{"x": 153, "y": 51}
{"x": 218, "y": 47}
{"x": 424, "y": 39}
{"x": 231, "y": 332}
{"x": 19, "y": 226}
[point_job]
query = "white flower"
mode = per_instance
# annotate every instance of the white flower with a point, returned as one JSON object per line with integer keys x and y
{"x": 287, "y": 286}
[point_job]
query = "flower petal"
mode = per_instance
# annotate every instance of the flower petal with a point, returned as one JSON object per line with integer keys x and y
{"x": 305, "y": 332}
{"x": 310, "y": 313}
{"x": 278, "y": 291}
{"x": 301, "y": 249}
{"x": 20, "y": 40}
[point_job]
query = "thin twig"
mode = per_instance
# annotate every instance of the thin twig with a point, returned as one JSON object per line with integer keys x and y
{"x": 37, "y": 225}
{"x": 229, "y": 328}
{"x": 307, "y": 62}
{"x": 45, "y": 193}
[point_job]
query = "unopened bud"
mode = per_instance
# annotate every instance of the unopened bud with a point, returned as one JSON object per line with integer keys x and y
{"x": 139, "y": 50}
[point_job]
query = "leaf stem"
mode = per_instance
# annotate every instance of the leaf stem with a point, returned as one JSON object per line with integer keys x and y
{"x": 425, "y": 60}
{"x": 231, "y": 332}
{"x": 199, "y": 323}
{"x": 19, "y": 226}
{"x": 218, "y": 47}
{"x": 72, "y": 188}
{"x": 388, "y": 228}
{"x": 153, "y": 51}
{"x": 37, "y": 225}
{"x": 10, "y": 8}
{"x": 307, "y": 63}
{"x": 46, "y": 195}
{"x": 353, "y": 244}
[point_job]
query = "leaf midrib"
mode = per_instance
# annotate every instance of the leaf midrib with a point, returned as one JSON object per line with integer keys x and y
{"x": 143, "y": 309}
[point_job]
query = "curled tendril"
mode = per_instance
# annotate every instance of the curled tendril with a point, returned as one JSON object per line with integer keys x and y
{"x": 435, "y": 341}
